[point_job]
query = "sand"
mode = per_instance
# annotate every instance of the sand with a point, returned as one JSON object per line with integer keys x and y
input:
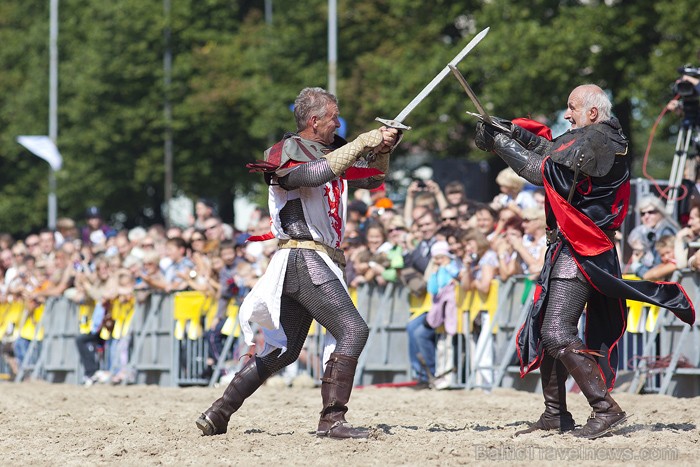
{"x": 55, "y": 424}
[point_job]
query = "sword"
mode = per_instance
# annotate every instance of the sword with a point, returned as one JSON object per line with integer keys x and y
{"x": 398, "y": 121}
{"x": 482, "y": 115}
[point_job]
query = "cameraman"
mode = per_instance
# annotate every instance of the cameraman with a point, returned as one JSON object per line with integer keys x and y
{"x": 686, "y": 105}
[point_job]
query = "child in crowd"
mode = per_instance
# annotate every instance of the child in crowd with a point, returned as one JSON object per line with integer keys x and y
{"x": 665, "y": 250}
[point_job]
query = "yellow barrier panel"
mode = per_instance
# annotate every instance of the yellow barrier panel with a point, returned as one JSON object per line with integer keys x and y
{"x": 122, "y": 314}
{"x": 29, "y": 330}
{"x": 129, "y": 318}
{"x": 634, "y": 316}
{"x": 652, "y": 317}
{"x": 188, "y": 309}
{"x": 475, "y": 302}
{"x": 419, "y": 305}
{"x": 13, "y": 318}
{"x": 4, "y": 307}
{"x": 352, "y": 291}
{"x": 105, "y": 334}
{"x": 85, "y": 317}
{"x": 634, "y": 313}
{"x": 211, "y": 307}
{"x": 231, "y": 324}
{"x": 463, "y": 299}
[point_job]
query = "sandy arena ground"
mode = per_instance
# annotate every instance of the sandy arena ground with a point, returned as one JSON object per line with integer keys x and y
{"x": 44, "y": 424}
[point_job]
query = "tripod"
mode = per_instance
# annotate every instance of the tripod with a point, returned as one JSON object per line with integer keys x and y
{"x": 687, "y": 135}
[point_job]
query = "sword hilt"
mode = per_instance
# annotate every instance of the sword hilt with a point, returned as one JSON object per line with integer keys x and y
{"x": 393, "y": 124}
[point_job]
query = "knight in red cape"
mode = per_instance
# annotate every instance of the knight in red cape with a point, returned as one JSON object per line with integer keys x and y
{"x": 308, "y": 174}
{"x": 585, "y": 173}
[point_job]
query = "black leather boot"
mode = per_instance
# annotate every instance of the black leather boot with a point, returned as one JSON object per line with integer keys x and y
{"x": 585, "y": 370}
{"x": 336, "y": 386}
{"x": 555, "y": 415}
{"x": 214, "y": 421}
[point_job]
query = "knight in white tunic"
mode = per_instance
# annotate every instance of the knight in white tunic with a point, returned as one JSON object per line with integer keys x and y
{"x": 308, "y": 174}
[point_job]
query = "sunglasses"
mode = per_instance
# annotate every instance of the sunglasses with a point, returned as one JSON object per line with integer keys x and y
{"x": 449, "y": 218}
{"x": 644, "y": 213}
{"x": 395, "y": 229}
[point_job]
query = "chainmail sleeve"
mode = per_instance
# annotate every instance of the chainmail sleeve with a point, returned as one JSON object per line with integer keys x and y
{"x": 314, "y": 173}
{"x": 532, "y": 171}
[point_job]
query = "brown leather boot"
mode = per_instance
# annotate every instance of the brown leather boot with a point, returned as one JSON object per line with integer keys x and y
{"x": 585, "y": 370}
{"x": 214, "y": 421}
{"x": 336, "y": 386}
{"x": 555, "y": 415}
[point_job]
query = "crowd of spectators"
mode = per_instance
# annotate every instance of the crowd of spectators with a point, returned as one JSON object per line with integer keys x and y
{"x": 96, "y": 265}
{"x": 436, "y": 242}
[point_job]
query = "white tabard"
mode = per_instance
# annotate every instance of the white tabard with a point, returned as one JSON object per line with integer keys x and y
{"x": 324, "y": 210}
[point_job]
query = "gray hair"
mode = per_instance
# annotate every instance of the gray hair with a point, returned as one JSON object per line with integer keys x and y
{"x": 310, "y": 102}
{"x": 651, "y": 201}
{"x": 594, "y": 96}
{"x": 655, "y": 203}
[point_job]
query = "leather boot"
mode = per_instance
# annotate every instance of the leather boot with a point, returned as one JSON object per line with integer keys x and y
{"x": 214, "y": 421}
{"x": 336, "y": 386}
{"x": 555, "y": 415}
{"x": 585, "y": 370}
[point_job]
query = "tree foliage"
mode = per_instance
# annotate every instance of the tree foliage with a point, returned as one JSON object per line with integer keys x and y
{"x": 234, "y": 77}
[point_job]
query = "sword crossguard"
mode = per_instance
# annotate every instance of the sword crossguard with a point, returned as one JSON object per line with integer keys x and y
{"x": 393, "y": 124}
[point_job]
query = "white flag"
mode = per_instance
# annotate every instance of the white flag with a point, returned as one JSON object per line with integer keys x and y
{"x": 43, "y": 147}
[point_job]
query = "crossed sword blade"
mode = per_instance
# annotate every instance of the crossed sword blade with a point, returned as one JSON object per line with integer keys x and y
{"x": 482, "y": 115}
{"x": 398, "y": 121}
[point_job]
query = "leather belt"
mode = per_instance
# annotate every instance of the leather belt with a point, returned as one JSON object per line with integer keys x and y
{"x": 551, "y": 236}
{"x": 336, "y": 254}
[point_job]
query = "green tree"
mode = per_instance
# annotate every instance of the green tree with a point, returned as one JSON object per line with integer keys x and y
{"x": 234, "y": 77}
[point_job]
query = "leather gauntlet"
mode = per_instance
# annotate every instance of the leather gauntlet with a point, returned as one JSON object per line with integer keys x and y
{"x": 512, "y": 153}
{"x": 344, "y": 157}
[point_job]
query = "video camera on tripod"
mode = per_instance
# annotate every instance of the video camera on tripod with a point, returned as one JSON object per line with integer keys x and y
{"x": 689, "y": 132}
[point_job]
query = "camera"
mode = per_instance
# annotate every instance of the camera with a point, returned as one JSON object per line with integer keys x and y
{"x": 688, "y": 94}
{"x": 686, "y": 88}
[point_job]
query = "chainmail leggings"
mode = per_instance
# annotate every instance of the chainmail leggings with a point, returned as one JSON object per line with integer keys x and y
{"x": 302, "y": 302}
{"x": 565, "y": 302}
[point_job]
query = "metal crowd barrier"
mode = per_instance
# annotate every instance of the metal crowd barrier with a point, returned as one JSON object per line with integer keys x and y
{"x": 466, "y": 360}
{"x": 167, "y": 344}
{"x": 165, "y": 338}
{"x": 658, "y": 353}
{"x": 669, "y": 362}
